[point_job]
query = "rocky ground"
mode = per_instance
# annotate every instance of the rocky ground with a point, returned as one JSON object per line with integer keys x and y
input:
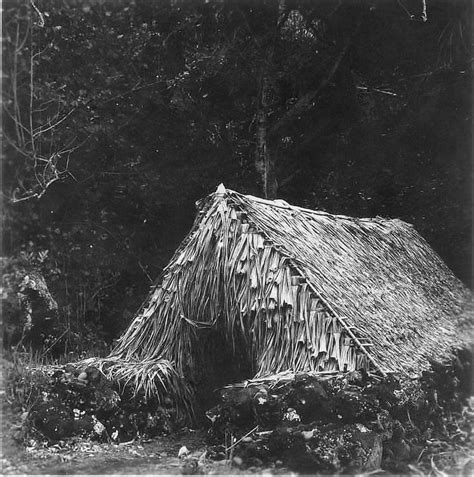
{"x": 160, "y": 456}
{"x": 347, "y": 424}
{"x": 76, "y": 421}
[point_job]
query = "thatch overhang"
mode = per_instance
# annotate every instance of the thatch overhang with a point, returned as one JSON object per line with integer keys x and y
{"x": 296, "y": 290}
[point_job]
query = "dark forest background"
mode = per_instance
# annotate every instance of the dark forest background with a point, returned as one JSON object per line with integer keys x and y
{"x": 119, "y": 115}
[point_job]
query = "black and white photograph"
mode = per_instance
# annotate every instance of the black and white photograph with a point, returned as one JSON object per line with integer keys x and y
{"x": 237, "y": 237}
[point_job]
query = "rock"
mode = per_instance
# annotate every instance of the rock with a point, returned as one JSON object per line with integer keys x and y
{"x": 84, "y": 426}
{"x": 99, "y": 429}
{"x": 254, "y": 462}
{"x": 238, "y": 396}
{"x": 398, "y": 451}
{"x": 106, "y": 398}
{"x": 183, "y": 452}
{"x": 82, "y": 376}
{"x": 189, "y": 467}
{"x": 396, "y": 455}
{"x": 237, "y": 461}
{"x": 354, "y": 406}
{"x": 237, "y": 407}
{"x": 384, "y": 425}
{"x": 93, "y": 374}
{"x": 371, "y": 444}
{"x": 291, "y": 416}
{"x": 261, "y": 397}
{"x": 268, "y": 409}
{"x": 69, "y": 369}
{"x": 359, "y": 378}
{"x": 310, "y": 400}
{"x": 53, "y": 419}
{"x": 327, "y": 448}
{"x": 216, "y": 452}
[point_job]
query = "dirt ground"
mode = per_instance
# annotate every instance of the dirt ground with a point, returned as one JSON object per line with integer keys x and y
{"x": 81, "y": 456}
{"x": 157, "y": 456}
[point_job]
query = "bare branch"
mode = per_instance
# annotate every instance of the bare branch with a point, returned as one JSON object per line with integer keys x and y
{"x": 12, "y": 143}
{"x": 41, "y": 17}
{"x": 31, "y": 93}
{"x": 16, "y": 104}
{"x": 22, "y": 44}
{"x": 15, "y": 120}
{"x": 33, "y": 137}
{"x": 39, "y": 131}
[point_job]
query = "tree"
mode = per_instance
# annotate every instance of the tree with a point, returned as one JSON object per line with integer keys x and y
{"x": 344, "y": 106}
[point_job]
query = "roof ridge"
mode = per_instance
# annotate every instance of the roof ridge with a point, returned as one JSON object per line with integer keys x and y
{"x": 282, "y": 204}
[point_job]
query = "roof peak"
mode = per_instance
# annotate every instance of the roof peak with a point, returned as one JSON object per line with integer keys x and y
{"x": 221, "y": 190}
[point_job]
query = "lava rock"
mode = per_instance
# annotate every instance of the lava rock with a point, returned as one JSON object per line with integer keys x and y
{"x": 94, "y": 375}
{"x": 396, "y": 456}
{"x": 53, "y": 419}
{"x": 368, "y": 456}
{"x": 354, "y": 406}
{"x": 310, "y": 400}
{"x": 84, "y": 426}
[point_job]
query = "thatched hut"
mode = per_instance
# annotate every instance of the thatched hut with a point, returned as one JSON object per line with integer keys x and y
{"x": 261, "y": 287}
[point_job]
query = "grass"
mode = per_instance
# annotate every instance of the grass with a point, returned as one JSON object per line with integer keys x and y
{"x": 24, "y": 379}
{"x": 152, "y": 378}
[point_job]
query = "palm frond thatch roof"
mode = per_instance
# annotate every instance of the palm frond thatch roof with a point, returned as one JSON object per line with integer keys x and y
{"x": 376, "y": 280}
{"x": 379, "y": 274}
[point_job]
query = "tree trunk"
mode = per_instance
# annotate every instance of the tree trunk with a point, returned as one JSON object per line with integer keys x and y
{"x": 265, "y": 154}
{"x": 264, "y": 163}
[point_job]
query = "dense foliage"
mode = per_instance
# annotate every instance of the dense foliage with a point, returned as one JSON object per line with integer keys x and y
{"x": 120, "y": 115}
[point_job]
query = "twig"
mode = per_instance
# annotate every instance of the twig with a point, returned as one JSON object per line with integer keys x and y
{"x": 144, "y": 271}
{"x": 127, "y": 443}
{"x": 368, "y": 90}
{"x": 41, "y": 17}
{"x": 423, "y": 16}
{"x": 54, "y": 342}
{"x": 40, "y": 131}
{"x": 405, "y": 8}
{"x": 243, "y": 437}
{"x": 421, "y": 453}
